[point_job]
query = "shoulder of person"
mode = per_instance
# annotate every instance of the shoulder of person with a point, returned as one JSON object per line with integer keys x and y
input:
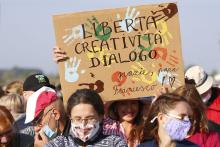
{"x": 213, "y": 136}
{"x": 186, "y": 143}
{"x": 24, "y": 140}
{"x": 111, "y": 124}
{"x": 29, "y": 130}
{"x": 114, "y": 140}
{"x": 58, "y": 141}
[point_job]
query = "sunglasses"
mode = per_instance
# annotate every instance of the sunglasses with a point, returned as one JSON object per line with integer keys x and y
{"x": 183, "y": 117}
{"x": 39, "y": 118}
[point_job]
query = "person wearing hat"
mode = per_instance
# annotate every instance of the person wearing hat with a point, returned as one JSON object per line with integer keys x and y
{"x": 31, "y": 84}
{"x": 47, "y": 114}
{"x": 210, "y": 95}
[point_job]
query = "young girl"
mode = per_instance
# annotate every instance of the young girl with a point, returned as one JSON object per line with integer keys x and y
{"x": 168, "y": 122}
{"x": 123, "y": 118}
{"x": 199, "y": 133}
{"x": 86, "y": 111}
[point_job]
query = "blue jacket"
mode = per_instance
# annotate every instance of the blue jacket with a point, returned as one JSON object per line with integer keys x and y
{"x": 184, "y": 143}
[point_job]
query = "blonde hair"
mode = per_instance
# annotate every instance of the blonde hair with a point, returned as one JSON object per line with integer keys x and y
{"x": 14, "y": 103}
{"x": 15, "y": 87}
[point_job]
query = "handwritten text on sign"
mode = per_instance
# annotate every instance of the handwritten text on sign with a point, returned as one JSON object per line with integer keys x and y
{"x": 121, "y": 53}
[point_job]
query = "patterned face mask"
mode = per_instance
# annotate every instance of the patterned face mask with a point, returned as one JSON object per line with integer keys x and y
{"x": 177, "y": 129}
{"x": 85, "y": 132}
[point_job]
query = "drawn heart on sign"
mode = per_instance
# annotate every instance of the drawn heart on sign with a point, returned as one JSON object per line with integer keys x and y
{"x": 171, "y": 81}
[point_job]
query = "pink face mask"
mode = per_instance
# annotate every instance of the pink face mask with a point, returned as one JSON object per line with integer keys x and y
{"x": 85, "y": 132}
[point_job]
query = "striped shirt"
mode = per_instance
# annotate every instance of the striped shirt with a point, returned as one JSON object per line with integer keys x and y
{"x": 100, "y": 141}
{"x": 113, "y": 127}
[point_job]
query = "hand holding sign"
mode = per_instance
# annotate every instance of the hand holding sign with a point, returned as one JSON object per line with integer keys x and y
{"x": 126, "y": 52}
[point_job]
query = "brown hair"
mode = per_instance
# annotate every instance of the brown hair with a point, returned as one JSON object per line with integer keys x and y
{"x": 137, "y": 128}
{"x": 162, "y": 104}
{"x": 6, "y": 118}
{"x": 194, "y": 99}
{"x": 86, "y": 96}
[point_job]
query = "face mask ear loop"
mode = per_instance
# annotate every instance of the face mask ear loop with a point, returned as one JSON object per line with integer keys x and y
{"x": 152, "y": 120}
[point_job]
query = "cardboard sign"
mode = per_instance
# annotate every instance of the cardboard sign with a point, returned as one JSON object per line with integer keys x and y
{"x": 121, "y": 53}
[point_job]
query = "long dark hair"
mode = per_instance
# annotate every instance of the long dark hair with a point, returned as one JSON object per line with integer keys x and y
{"x": 86, "y": 96}
{"x": 136, "y": 132}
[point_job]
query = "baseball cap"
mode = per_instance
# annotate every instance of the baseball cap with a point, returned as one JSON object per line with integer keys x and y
{"x": 35, "y": 82}
{"x": 38, "y": 101}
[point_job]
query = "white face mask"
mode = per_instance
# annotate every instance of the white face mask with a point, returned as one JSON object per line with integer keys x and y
{"x": 207, "y": 97}
{"x": 78, "y": 130}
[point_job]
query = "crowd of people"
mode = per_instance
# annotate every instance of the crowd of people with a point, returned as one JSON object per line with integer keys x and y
{"x": 32, "y": 113}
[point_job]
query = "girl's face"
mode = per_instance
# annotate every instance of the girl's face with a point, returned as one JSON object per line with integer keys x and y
{"x": 180, "y": 111}
{"x": 84, "y": 114}
{"x": 127, "y": 110}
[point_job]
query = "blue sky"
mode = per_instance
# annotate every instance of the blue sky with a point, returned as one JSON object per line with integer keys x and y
{"x": 27, "y": 33}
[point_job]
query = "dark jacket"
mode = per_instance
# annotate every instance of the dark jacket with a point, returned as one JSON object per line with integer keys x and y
{"x": 21, "y": 140}
{"x": 153, "y": 143}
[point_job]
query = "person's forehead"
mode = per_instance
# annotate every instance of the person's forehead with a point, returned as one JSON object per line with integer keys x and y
{"x": 83, "y": 110}
{"x": 181, "y": 108}
{"x": 28, "y": 91}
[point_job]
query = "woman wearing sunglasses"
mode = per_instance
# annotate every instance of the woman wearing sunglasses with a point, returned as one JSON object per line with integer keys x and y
{"x": 86, "y": 110}
{"x": 168, "y": 123}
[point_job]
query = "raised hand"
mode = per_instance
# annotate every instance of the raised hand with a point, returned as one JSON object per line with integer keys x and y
{"x": 59, "y": 55}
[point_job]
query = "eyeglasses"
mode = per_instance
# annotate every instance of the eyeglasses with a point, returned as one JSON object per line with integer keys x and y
{"x": 78, "y": 120}
{"x": 183, "y": 117}
{"x": 40, "y": 117}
